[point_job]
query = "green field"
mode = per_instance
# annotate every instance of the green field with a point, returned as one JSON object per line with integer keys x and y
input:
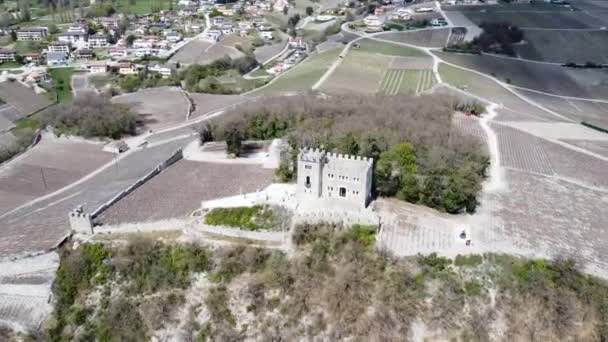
{"x": 9, "y": 65}
{"x": 142, "y": 6}
{"x": 401, "y": 81}
{"x": 303, "y": 76}
{"x": 62, "y": 87}
{"x": 374, "y": 46}
{"x": 360, "y": 72}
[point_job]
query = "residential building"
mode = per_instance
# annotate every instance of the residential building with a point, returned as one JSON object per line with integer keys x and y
{"x": 32, "y": 34}
{"x": 98, "y": 41}
{"x": 266, "y": 35}
{"x": 340, "y": 178}
{"x": 118, "y": 53}
{"x": 31, "y": 57}
{"x": 8, "y": 55}
{"x": 373, "y": 23}
{"x": 127, "y": 68}
{"x": 83, "y": 29}
{"x": 173, "y": 37}
{"x": 83, "y": 54}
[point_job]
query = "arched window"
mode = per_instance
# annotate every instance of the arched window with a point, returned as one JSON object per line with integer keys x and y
{"x": 307, "y": 184}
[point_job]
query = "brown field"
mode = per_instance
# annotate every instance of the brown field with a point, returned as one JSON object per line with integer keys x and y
{"x": 521, "y": 151}
{"x": 23, "y": 99}
{"x": 179, "y": 190}
{"x": 157, "y": 107}
{"x": 50, "y": 165}
{"x": 599, "y": 147}
{"x": 263, "y": 53}
{"x": 565, "y": 46}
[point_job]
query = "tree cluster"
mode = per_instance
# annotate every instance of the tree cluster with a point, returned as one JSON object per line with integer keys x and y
{"x": 420, "y": 156}
{"x": 91, "y": 116}
{"x": 203, "y": 78}
{"x": 498, "y": 38}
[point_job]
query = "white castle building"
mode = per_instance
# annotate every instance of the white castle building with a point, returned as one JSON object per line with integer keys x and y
{"x": 338, "y": 177}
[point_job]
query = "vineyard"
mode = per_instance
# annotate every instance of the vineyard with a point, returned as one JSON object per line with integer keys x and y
{"x": 401, "y": 81}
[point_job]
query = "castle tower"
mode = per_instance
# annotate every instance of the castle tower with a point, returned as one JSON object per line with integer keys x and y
{"x": 310, "y": 172}
{"x": 80, "y": 222}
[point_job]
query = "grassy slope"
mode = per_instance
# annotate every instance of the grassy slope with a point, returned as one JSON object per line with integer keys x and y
{"x": 303, "y": 76}
{"x": 141, "y": 6}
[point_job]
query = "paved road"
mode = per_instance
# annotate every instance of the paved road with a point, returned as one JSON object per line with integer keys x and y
{"x": 41, "y": 225}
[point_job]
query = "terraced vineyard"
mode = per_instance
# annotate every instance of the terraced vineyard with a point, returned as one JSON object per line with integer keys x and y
{"x": 403, "y": 81}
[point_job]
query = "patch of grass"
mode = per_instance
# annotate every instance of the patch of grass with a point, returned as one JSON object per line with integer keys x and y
{"x": 473, "y": 288}
{"x": 468, "y": 260}
{"x": 62, "y": 78}
{"x": 250, "y": 218}
{"x": 374, "y": 46}
{"x": 27, "y": 122}
{"x": 9, "y": 65}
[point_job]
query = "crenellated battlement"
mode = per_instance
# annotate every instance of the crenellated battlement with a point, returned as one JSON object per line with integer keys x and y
{"x": 314, "y": 155}
{"x": 339, "y": 156}
{"x": 80, "y": 222}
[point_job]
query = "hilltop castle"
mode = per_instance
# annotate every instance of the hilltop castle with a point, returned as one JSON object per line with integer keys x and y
{"x": 343, "y": 178}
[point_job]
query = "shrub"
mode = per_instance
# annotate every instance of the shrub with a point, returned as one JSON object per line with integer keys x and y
{"x": 251, "y": 218}
{"x": 472, "y": 260}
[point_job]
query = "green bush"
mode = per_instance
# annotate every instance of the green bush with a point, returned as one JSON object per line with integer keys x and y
{"x": 251, "y": 218}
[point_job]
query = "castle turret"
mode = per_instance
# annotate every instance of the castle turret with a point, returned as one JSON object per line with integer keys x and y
{"x": 81, "y": 222}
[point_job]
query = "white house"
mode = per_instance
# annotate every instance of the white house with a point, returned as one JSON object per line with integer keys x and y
{"x": 143, "y": 44}
{"x": 297, "y": 43}
{"x": 341, "y": 178}
{"x": 373, "y": 23}
{"x": 78, "y": 29}
{"x": 213, "y": 35}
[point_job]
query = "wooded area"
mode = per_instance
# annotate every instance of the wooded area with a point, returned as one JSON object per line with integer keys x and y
{"x": 420, "y": 156}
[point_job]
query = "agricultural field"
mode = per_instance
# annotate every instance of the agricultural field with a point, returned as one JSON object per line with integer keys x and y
{"x": 302, "y": 77}
{"x": 21, "y": 100}
{"x": 233, "y": 81}
{"x": 386, "y": 48}
{"x": 50, "y": 165}
{"x": 577, "y": 110}
{"x": 140, "y": 7}
{"x": 359, "y": 72}
{"x": 157, "y": 107}
{"x": 179, "y": 190}
{"x": 564, "y": 46}
{"x": 403, "y": 81}
{"x": 436, "y": 38}
{"x": 536, "y": 15}
{"x": 553, "y": 79}
{"x": 599, "y": 147}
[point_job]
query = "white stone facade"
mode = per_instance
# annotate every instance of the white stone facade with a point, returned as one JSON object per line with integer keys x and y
{"x": 341, "y": 178}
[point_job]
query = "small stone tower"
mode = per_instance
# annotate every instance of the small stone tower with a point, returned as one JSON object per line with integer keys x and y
{"x": 310, "y": 172}
{"x": 81, "y": 222}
